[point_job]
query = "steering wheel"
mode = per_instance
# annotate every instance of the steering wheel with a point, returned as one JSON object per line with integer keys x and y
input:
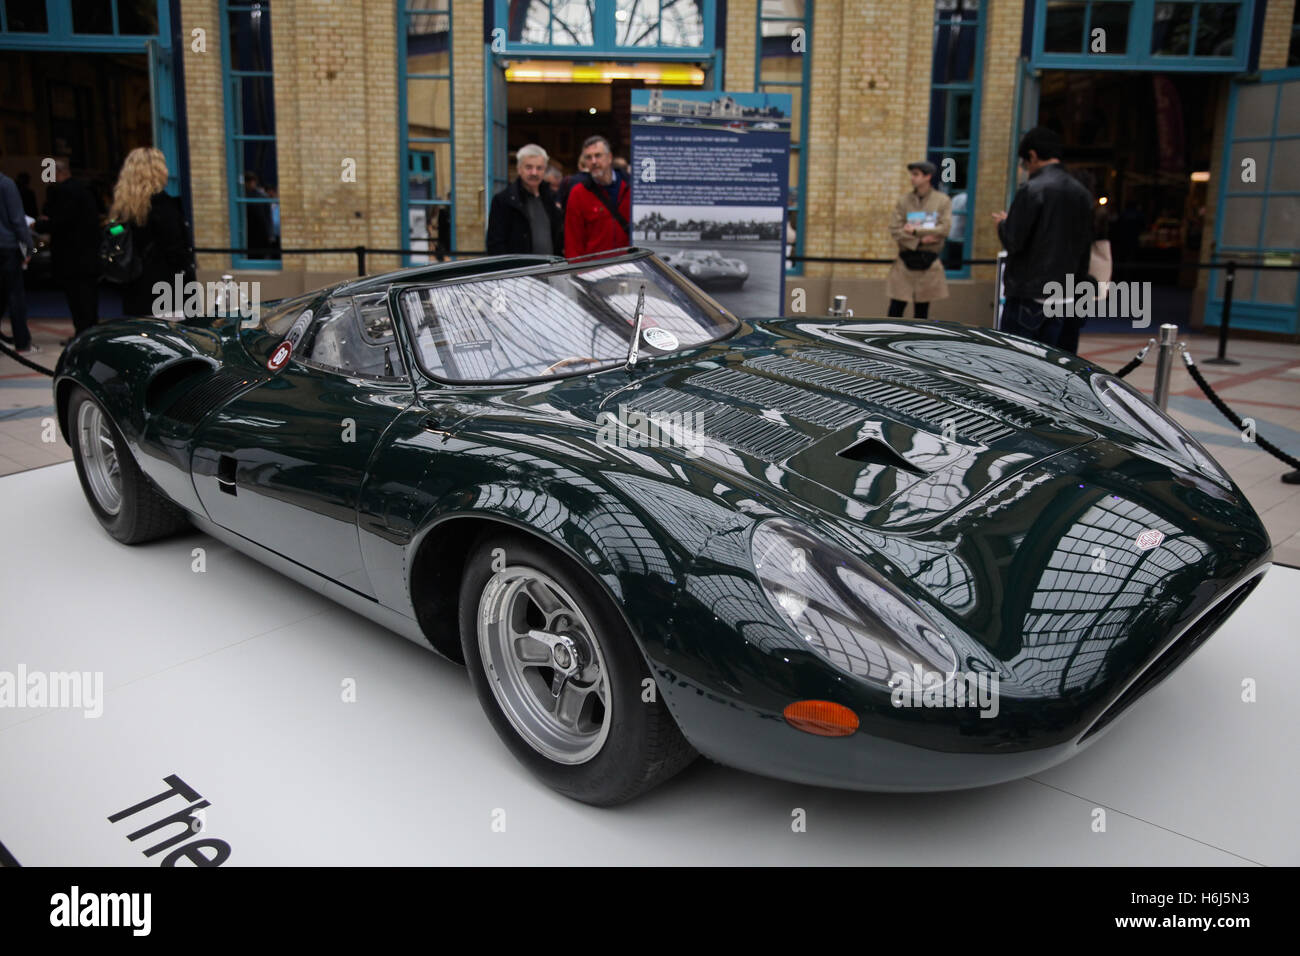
{"x": 571, "y": 360}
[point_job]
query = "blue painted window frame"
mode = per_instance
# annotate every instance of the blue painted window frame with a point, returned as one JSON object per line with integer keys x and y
{"x": 58, "y": 21}
{"x": 804, "y": 85}
{"x": 404, "y": 9}
{"x": 1246, "y": 313}
{"x": 604, "y": 38}
{"x": 156, "y": 47}
{"x": 973, "y": 87}
{"x": 1137, "y": 54}
{"x": 234, "y": 155}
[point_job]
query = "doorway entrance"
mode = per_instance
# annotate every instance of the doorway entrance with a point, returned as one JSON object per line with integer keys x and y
{"x": 1142, "y": 142}
{"x": 92, "y": 108}
{"x": 557, "y": 104}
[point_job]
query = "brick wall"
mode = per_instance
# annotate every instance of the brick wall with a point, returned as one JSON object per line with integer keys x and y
{"x": 205, "y": 109}
{"x": 468, "y": 124}
{"x": 336, "y": 107}
{"x": 335, "y": 101}
{"x": 740, "y": 45}
{"x": 869, "y": 106}
{"x": 1276, "y": 39}
{"x": 998, "y": 127}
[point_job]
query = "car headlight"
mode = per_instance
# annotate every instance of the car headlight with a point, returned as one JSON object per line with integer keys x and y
{"x": 1138, "y": 416}
{"x": 842, "y": 609}
{"x": 740, "y": 266}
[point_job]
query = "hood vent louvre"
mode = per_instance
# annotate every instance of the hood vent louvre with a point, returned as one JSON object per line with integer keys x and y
{"x": 907, "y": 399}
{"x": 786, "y": 399}
{"x": 1013, "y": 413}
{"x": 724, "y": 424}
{"x": 217, "y": 389}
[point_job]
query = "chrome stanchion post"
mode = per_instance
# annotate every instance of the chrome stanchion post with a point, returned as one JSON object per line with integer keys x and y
{"x": 839, "y": 305}
{"x": 222, "y": 304}
{"x": 1164, "y": 364}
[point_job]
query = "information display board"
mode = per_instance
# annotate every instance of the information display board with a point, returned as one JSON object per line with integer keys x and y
{"x": 710, "y": 177}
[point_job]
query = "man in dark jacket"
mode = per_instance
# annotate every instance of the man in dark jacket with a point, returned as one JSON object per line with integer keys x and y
{"x": 525, "y": 217}
{"x": 1047, "y": 234}
{"x": 15, "y": 251}
{"x": 72, "y": 220}
{"x": 24, "y": 183}
{"x": 599, "y": 206}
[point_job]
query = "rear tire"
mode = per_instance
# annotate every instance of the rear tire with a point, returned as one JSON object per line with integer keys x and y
{"x": 598, "y": 741}
{"x": 126, "y": 502}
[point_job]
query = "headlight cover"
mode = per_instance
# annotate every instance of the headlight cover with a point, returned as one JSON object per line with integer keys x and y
{"x": 1149, "y": 424}
{"x": 842, "y": 609}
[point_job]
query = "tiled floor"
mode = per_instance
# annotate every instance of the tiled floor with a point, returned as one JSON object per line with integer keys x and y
{"x": 1265, "y": 387}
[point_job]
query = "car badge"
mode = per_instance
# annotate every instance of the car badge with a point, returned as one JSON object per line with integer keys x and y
{"x": 1149, "y": 539}
{"x": 285, "y": 349}
{"x": 280, "y": 356}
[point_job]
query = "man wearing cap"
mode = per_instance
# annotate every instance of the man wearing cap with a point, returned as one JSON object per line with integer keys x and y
{"x": 921, "y": 221}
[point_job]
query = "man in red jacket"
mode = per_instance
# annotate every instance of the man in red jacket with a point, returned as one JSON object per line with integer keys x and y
{"x": 599, "y": 206}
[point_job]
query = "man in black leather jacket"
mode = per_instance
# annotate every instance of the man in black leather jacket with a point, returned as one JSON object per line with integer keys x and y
{"x": 1047, "y": 234}
{"x": 525, "y": 217}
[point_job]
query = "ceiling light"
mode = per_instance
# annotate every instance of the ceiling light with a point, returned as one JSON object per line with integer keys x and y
{"x": 564, "y": 71}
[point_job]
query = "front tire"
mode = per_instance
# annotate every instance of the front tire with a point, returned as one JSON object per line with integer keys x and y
{"x": 121, "y": 496}
{"x": 560, "y": 677}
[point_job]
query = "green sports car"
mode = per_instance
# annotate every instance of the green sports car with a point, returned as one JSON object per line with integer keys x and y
{"x": 864, "y": 554}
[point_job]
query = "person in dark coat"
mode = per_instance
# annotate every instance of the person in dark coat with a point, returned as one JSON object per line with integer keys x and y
{"x": 261, "y": 235}
{"x": 72, "y": 219}
{"x": 24, "y": 183}
{"x": 1047, "y": 233}
{"x": 15, "y": 252}
{"x": 158, "y": 233}
{"x": 525, "y": 216}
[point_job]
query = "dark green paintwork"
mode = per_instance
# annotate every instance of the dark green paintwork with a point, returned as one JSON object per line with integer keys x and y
{"x": 976, "y": 544}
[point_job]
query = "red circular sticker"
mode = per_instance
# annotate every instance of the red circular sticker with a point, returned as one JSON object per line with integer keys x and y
{"x": 1149, "y": 539}
{"x": 279, "y": 356}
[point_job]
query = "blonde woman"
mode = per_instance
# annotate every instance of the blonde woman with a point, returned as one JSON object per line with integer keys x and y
{"x": 157, "y": 222}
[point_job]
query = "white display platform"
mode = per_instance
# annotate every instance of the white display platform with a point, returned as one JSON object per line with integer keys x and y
{"x": 232, "y": 680}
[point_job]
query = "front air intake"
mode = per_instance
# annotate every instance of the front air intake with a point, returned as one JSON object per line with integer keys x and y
{"x": 1173, "y": 655}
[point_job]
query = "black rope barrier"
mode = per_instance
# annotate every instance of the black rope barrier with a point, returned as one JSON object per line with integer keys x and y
{"x": 25, "y": 361}
{"x": 1132, "y": 363}
{"x": 1136, "y": 360}
{"x": 1232, "y": 416}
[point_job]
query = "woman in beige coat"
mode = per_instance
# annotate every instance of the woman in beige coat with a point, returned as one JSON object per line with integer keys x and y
{"x": 920, "y": 223}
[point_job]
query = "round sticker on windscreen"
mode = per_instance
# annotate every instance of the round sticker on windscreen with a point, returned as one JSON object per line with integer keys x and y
{"x": 658, "y": 338}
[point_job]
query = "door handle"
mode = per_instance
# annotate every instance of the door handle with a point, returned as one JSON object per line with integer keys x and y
{"x": 226, "y": 474}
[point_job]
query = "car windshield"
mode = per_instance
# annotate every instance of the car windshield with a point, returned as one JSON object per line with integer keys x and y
{"x": 561, "y": 321}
